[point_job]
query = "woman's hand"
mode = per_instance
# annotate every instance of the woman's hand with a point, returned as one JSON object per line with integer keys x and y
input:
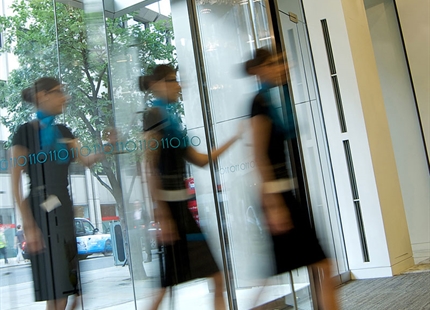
{"x": 34, "y": 238}
{"x": 33, "y": 234}
{"x": 110, "y": 134}
{"x": 168, "y": 230}
{"x": 278, "y": 215}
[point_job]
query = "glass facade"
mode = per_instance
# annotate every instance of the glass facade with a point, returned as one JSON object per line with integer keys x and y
{"x": 98, "y": 50}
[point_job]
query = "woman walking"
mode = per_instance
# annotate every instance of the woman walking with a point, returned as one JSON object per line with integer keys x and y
{"x": 186, "y": 252}
{"x": 294, "y": 241}
{"x": 43, "y": 150}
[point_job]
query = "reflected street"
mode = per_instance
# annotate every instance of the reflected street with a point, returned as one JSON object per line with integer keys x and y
{"x": 21, "y": 273}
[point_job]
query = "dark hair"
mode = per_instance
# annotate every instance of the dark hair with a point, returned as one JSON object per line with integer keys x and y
{"x": 159, "y": 73}
{"x": 18, "y": 226}
{"x": 260, "y": 57}
{"x": 42, "y": 84}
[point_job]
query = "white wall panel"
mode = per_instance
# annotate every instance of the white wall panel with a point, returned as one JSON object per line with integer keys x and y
{"x": 363, "y": 108}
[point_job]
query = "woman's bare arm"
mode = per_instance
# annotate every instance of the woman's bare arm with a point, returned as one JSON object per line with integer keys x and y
{"x": 201, "y": 160}
{"x": 16, "y": 173}
{"x": 32, "y": 231}
{"x": 88, "y": 160}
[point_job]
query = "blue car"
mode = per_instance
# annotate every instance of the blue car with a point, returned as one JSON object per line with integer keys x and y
{"x": 89, "y": 240}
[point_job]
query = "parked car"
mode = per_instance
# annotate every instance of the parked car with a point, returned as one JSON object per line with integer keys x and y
{"x": 89, "y": 240}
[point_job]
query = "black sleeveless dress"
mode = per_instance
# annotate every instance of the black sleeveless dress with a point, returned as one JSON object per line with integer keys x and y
{"x": 188, "y": 258}
{"x": 299, "y": 246}
{"x": 55, "y": 270}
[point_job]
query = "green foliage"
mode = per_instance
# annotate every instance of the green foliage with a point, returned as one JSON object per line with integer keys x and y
{"x": 77, "y": 48}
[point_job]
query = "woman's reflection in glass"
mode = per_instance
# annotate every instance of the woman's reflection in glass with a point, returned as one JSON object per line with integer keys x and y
{"x": 186, "y": 252}
{"x": 44, "y": 150}
{"x": 294, "y": 241}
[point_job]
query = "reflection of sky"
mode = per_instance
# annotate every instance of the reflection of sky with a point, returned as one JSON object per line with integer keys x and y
{"x": 162, "y": 7}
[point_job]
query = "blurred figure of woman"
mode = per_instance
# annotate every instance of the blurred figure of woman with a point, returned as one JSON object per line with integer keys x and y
{"x": 44, "y": 150}
{"x": 294, "y": 241}
{"x": 186, "y": 252}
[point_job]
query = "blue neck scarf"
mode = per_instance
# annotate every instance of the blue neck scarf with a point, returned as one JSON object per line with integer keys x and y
{"x": 286, "y": 128}
{"x": 174, "y": 129}
{"x": 48, "y": 132}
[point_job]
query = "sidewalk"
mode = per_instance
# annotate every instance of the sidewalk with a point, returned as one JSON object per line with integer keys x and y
{"x": 12, "y": 262}
{"x": 112, "y": 289}
{"x": 107, "y": 288}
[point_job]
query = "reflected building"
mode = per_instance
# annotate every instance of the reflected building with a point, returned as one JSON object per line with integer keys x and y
{"x": 357, "y": 86}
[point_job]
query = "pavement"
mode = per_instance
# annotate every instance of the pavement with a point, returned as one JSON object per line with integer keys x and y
{"x": 106, "y": 288}
{"x": 12, "y": 263}
{"x": 111, "y": 288}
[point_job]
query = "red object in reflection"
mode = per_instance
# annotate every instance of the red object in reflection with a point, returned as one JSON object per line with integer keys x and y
{"x": 192, "y": 206}
{"x": 110, "y": 218}
{"x": 189, "y": 184}
{"x": 192, "y": 203}
{"x": 7, "y": 226}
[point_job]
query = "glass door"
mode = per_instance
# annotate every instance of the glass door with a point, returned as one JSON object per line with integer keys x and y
{"x": 313, "y": 140}
{"x": 99, "y": 49}
{"x": 228, "y": 33}
{"x": 127, "y": 44}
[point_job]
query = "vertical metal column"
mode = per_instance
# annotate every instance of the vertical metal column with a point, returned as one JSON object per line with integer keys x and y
{"x": 210, "y": 141}
{"x": 117, "y": 161}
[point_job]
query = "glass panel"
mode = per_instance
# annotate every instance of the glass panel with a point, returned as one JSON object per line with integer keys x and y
{"x": 81, "y": 62}
{"x": 84, "y": 67}
{"x": 30, "y": 52}
{"x": 131, "y": 56}
{"x": 99, "y": 59}
{"x": 261, "y": 25}
{"x": 302, "y": 289}
{"x": 230, "y": 94}
{"x": 312, "y": 135}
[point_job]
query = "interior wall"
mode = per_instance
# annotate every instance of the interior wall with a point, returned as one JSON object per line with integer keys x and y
{"x": 403, "y": 121}
{"x": 384, "y": 220}
{"x": 414, "y": 16}
{"x": 379, "y": 136}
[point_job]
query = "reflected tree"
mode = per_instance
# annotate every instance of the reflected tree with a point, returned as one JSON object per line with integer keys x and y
{"x": 67, "y": 44}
